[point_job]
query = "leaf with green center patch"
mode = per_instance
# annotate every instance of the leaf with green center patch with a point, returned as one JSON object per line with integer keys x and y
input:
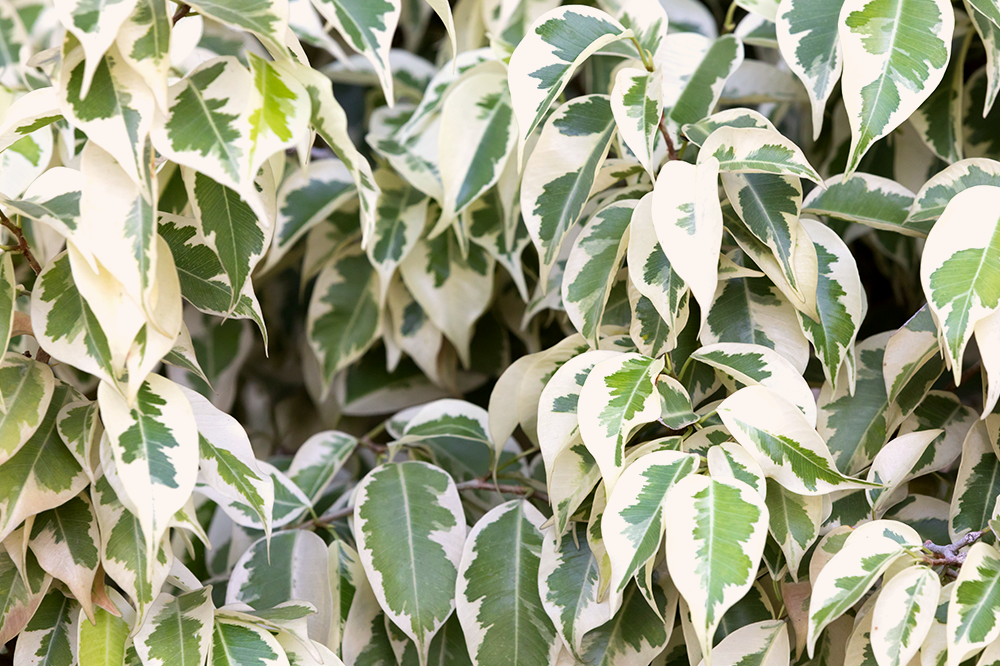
{"x": 695, "y": 74}
{"x": 977, "y": 485}
{"x": 102, "y": 643}
{"x": 866, "y": 555}
{"x": 729, "y": 461}
{"x": 344, "y": 317}
{"x": 65, "y": 541}
{"x": 758, "y": 644}
{"x": 634, "y": 518}
{"x": 781, "y": 440}
{"x": 934, "y": 197}
{"x": 319, "y": 459}
{"x": 637, "y": 104}
{"x": 454, "y": 290}
{"x": 895, "y": 55}
{"x": 637, "y": 632}
{"x": 368, "y": 26}
{"x": 546, "y": 59}
{"x": 905, "y": 610}
{"x": 809, "y": 43}
{"x": 481, "y": 139}
{"x": 454, "y": 432}
{"x": 21, "y": 593}
{"x": 752, "y": 150}
{"x": 155, "y": 445}
{"x": 891, "y": 467}
{"x": 697, "y": 133}
{"x": 841, "y": 305}
{"x": 116, "y": 112}
{"x": 177, "y": 629}
{"x": 561, "y": 171}
{"x": 307, "y": 197}
{"x": 15, "y": 46}
{"x": 870, "y": 200}
{"x": 266, "y": 20}
{"x": 676, "y": 411}
{"x": 794, "y": 522}
{"x": 95, "y": 24}
{"x": 144, "y": 43}
{"x": 974, "y": 608}
{"x": 618, "y": 396}
{"x": 957, "y": 269}
{"x": 279, "y": 111}
{"x": 43, "y": 474}
{"x": 123, "y": 549}
{"x": 49, "y": 639}
{"x": 26, "y": 388}
{"x": 239, "y": 643}
{"x": 292, "y": 565}
{"x": 412, "y": 330}
{"x": 989, "y": 32}
{"x": 940, "y": 410}
{"x": 30, "y": 112}
{"x": 769, "y": 206}
{"x": 715, "y": 532}
{"x": 687, "y": 218}
{"x": 398, "y": 558}
{"x": 400, "y": 218}
{"x": 80, "y": 430}
{"x": 53, "y": 199}
{"x": 593, "y": 265}
{"x": 485, "y": 220}
{"x": 568, "y": 584}
{"x": 751, "y": 364}
{"x": 497, "y": 594}
{"x": 938, "y": 121}
{"x": 366, "y": 639}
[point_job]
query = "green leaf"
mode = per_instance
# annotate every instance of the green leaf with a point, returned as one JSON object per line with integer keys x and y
{"x": 102, "y": 643}
{"x": 593, "y": 265}
{"x": 780, "y": 438}
{"x": 546, "y": 59}
{"x": 870, "y": 200}
{"x": 497, "y": 594}
{"x": 809, "y": 43}
{"x": 974, "y": 608}
{"x": 715, "y": 533}
{"x": 618, "y": 397}
{"x": 890, "y": 66}
{"x": 368, "y": 26}
{"x": 49, "y": 639}
{"x": 561, "y": 171}
{"x": 938, "y": 121}
{"x": 26, "y": 388}
{"x": 155, "y": 446}
{"x": 397, "y": 557}
{"x": 239, "y": 643}
{"x": 177, "y": 629}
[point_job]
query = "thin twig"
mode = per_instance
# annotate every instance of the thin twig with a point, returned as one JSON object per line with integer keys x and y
{"x": 182, "y": 11}
{"x": 671, "y": 151}
{"x": 22, "y": 243}
{"x": 948, "y": 554}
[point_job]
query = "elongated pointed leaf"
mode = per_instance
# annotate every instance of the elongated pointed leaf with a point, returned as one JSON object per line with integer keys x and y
{"x": 905, "y": 610}
{"x": 155, "y": 445}
{"x": 144, "y": 43}
{"x": 637, "y": 103}
{"x": 561, "y": 171}
{"x": 973, "y": 611}
{"x": 715, "y": 532}
{"x": 236, "y": 643}
{"x": 22, "y": 593}
{"x": 687, "y": 218}
{"x": 730, "y": 461}
{"x": 697, "y": 133}
{"x": 80, "y": 430}
{"x": 938, "y": 121}
{"x": 618, "y": 396}
{"x": 870, "y": 200}
{"x": 593, "y": 265}
{"x": 890, "y": 66}
{"x": 30, "y": 112}
{"x": 695, "y": 74}
{"x": 26, "y": 388}
{"x": 399, "y": 220}
{"x": 497, "y": 594}
{"x": 764, "y": 643}
{"x": 545, "y": 60}
{"x": 751, "y": 150}
{"x": 637, "y": 632}
{"x": 893, "y": 463}
{"x": 396, "y": 557}
{"x": 102, "y": 643}
{"x": 934, "y": 197}
{"x": 49, "y": 639}
{"x": 778, "y": 436}
{"x": 266, "y": 20}
{"x": 177, "y": 628}
{"x": 977, "y": 485}
{"x": 794, "y": 522}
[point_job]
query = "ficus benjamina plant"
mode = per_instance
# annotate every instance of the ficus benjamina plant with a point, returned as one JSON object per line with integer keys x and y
{"x": 499, "y": 332}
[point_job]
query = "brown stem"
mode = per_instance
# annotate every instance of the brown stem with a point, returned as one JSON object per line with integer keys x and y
{"x": 948, "y": 554}
{"x": 182, "y": 11}
{"x": 22, "y": 243}
{"x": 671, "y": 151}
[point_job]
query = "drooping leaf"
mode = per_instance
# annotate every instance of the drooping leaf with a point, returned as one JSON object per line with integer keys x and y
{"x": 637, "y": 104}
{"x": 794, "y": 522}
{"x": 973, "y": 617}
{"x": 26, "y": 388}
{"x": 49, "y": 639}
{"x": 866, "y": 199}
{"x": 177, "y": 629}
{"x": 934, "y": 197}
{"x": 977, "y": 485}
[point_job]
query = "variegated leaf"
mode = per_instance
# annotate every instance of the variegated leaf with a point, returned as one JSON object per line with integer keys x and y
{"x": 750, "y": 364}
{"x": 368, "y": 27}
{"x": 497, "y": 594}
{"x": 319, "y": 459}
{"x": 95, "y": 26}
{"x": 988, "y": 31}
{"x": 890, "y": 66}
{"x": 291, "y": 566}
{"x": 561, "y": 171}
{"x": 144, "y": 44}
{"x": 794, "y": 521}
{"x": 43, "y": 474}
{"x": 730, "y": 461}
{"x": 399, "y": 220}
{"x": 344, "y": 317}
{"x": 960, "y": 292}
{"x": 637, "y": 104}
{"x": 973, "y": 611}
{"x": 905, "y": 610}
{"x": 545, "y": 60}
{"x": 266, "y": 20}
{"x": 618, "y": 397}
{"x": 634, "y": 518}
{"x": 53, "y": 199}
{"x": 715, "y": 532}
{"x": 177, "y": 629}
{"x": 841, "y": 305}
{"x": 65, "y": 540}
{"x": 236, "y": 643}
{"x": 30, "y": 112}
{"x": 8, "y": 302}
{"x": 697, "y": 133}
{"x": 761, "y": 643}
{"x": 977, "y": 485}
{"x": 593, "y": 265}
{"x": 687, "y": 218}
{"x": 676, "y": 411}
{"x": 155, "y": 445}
{"x": 780, "y": 438}
{"x": 943, "y": 410}
{"x": 695, "y": 72}
{"x": 752, "y": 150}
{"x": 866, "y": 199}
{"x": 49, "y": 639}
{"x": 637, "y": 632}
{"x": 22, "y": 593}
{"x": 431, "y": 536}
{"x": 26, "y": 388}
{"x": 809, "y": 43}
{"x": 938, "y": 121}
{"x": 891, "y": 467}
{"x": 934, "y": 197}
